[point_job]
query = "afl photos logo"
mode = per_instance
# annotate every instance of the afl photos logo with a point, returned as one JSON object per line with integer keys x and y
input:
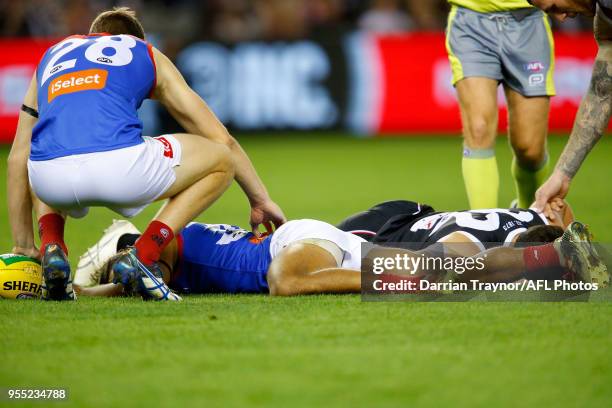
{"x": 86, "y": 80}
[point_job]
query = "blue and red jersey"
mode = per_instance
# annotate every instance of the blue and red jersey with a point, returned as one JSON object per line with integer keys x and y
{"x": 218, "y": 258}
{"x": 89, "y": 91}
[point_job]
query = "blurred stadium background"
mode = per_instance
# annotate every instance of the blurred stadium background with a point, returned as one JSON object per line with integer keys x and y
{"x": 296, "y": 81}
{"x": 367, "y": 67}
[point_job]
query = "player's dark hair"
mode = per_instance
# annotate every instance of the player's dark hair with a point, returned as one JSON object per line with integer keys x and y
{"x": 105, "y": 275}
{"x": 119, "y": 20}
{"x": 539, "y": 234}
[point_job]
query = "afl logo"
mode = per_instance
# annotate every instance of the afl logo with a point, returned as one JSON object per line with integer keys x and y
{"x": 104, "y": 60}
{"x": 25, "y": 296}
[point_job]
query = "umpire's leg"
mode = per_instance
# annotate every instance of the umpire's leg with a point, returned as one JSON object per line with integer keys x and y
{"x": 527, "y": 131}
{"x": 479, "y": 115}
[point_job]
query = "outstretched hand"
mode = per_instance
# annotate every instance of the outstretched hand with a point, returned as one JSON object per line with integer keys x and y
{"x": 267, "y": 213}
{"x": 553, "y": 207}
{"x": 557, "y": 185}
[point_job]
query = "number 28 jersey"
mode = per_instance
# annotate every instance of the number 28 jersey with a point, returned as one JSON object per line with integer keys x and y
{"x": 89, "y": 91}
{"x": 487, "y": 228}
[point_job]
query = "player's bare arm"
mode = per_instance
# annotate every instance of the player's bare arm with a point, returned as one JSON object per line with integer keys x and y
{"x": 591, "y": 122}
{"x": 595, "y": 109}
{"x": 306, "y": 269}
{"x": 19, "y": 198}
{"x": 196, "y": 117}
{"x": 465, "y": 247}
{"x": 104, "y": 290}
{"x": 592, "y": 119}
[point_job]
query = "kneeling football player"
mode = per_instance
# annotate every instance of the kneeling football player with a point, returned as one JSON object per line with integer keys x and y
{"x": 79, "y": 143}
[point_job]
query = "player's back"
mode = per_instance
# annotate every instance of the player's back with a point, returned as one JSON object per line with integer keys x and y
{"x": 89, "y": 91}
{"x": 218, "y": 258}
{"x": 487, "y": 228}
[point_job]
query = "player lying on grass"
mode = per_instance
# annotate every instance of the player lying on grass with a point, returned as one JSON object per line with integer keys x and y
{"x": 419, "y": 225}
{"x": 79, "y": 143}
{"x": 304, "y": 257}
{"x": 300, "y": 257}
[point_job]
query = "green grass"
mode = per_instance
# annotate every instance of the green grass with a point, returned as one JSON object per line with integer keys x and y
{"x": 322, "y": 350}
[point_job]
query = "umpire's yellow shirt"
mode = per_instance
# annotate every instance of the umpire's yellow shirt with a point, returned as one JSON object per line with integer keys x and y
{"x": 489, "y": 6}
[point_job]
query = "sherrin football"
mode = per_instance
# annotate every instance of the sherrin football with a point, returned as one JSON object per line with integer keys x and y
{"x": 20, "y": 277}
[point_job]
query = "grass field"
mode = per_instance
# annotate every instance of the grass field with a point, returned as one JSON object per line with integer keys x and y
{"x": 322, "y": 350}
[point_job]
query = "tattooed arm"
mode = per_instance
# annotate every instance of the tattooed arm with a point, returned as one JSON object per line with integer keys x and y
{"x": 591, "y": 121}
{"x": 594, "y": 113}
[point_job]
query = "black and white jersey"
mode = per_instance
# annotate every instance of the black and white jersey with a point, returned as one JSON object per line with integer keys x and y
{"x": 486, "y": 228}
{"x": 366, "y": 224}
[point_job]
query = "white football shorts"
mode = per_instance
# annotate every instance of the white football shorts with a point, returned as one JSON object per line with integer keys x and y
{"x": 343, "y": 246}
{"x": 123, "y": 180}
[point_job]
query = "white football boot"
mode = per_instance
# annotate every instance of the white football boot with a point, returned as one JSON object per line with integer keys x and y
{"x": 92, "y": 263}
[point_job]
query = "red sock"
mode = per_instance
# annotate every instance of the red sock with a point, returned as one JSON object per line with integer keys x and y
{"x": 153, "y": 241}
{"x": 51, "y": 231}
{"x": 539, "y": 260}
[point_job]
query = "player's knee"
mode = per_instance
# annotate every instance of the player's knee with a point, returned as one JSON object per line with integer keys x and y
{"x": 225, "y": 162}
{"x": 220, "y": 162}
{"x": 529, "y": 155}
{"x": 205, "y": 157}
{"x": 479, "y": 134}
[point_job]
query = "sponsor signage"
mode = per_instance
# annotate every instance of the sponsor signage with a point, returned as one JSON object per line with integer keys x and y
{"x": 369, "y": 84}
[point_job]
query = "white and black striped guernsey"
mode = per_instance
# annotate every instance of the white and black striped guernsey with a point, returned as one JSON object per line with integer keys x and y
{"x": 487, "y": 228}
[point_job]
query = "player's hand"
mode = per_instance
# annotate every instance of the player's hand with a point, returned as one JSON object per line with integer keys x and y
{"x": 557, "y": 204}
{"x": 267, "y": 213}
{"x": 31, "y": 252}
{"x": 555, "y": 209}
{"x": 557, "y": 185}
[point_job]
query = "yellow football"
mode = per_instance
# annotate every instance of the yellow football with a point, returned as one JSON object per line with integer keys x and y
{"x": 20, "y": 277}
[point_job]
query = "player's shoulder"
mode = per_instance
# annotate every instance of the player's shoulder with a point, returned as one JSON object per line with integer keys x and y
{"x": 92, "y": 37}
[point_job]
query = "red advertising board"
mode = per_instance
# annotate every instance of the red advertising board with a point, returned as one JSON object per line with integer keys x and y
{"x": 394, "y": 84}
{"x": 19, "y": 59}
{"x": 417, "y": 95}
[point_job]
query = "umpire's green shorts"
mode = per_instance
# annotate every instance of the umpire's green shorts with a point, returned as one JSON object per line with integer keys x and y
{"x": 516, "y": 48}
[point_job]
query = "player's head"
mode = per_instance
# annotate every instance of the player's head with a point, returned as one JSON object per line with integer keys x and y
{"x": 538, "y": 234}
{"x": 563, "y": 9}
{"x": 120, "y": 20}
{"x": 107, "y": 274}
